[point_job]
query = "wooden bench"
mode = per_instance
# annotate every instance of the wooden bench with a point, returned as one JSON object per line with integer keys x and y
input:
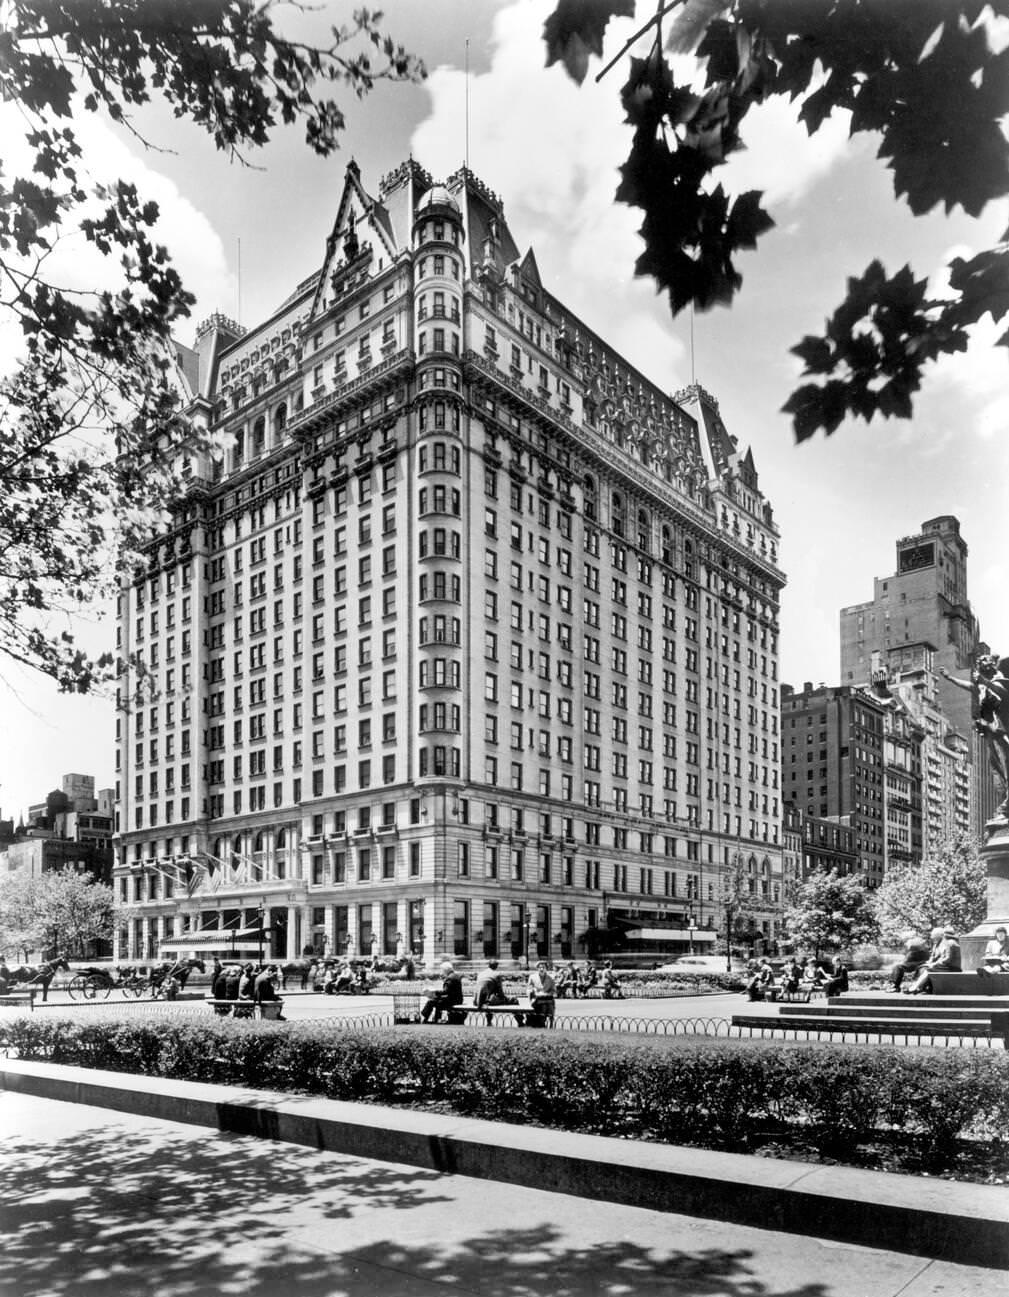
{"x": 803, "y": 993}
{"x": 523, "y": 1013}
{"x": 268, "y": 1009}
{"x": 19, "y": 995}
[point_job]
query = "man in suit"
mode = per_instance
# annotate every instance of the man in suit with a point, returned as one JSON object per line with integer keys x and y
{"x": 445, "y": 998}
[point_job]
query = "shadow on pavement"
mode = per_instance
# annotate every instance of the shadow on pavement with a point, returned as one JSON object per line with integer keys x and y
{"x": 111, "y": 1212}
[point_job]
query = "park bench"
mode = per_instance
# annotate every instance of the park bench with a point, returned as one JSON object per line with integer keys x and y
{"x": 803, "y": 993}
{"x": 16, "y": 996}
{"x": 269, "y": 1009}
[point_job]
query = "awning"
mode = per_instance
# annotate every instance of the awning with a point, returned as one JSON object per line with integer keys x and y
{"x": 222, "y": 939}
{"x": 700, "y": 935}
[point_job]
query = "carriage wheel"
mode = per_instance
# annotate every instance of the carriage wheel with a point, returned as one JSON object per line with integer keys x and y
{"x": 89, "y": 988}
{"x": 134, "y": 987}
{"x": 101, "y": 985}
{"x": 77, "y": 987}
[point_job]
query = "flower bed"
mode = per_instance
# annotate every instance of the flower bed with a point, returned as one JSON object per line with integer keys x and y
{"x": 929, "y": 1109}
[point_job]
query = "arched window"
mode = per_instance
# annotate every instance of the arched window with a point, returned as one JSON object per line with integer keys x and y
{"x": 280, "y": 418}
{"x": 667, "y": 545}
{"x": 259, "y": 436}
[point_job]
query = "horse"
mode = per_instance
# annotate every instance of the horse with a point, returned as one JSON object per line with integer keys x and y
{"x": 40, "y": 974}
{"x": 171, "y": 978}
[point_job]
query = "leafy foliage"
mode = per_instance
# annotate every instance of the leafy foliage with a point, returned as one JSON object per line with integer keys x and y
{"x": 831, "y": 911}
{"x": 91, "y": 432}
{"x": 921, "y": 76}
{"x": 948, "y": 888}
{"x": 57, "y": 912}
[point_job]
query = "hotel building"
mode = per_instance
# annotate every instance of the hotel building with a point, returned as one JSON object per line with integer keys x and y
{"x": 468, "y": 642}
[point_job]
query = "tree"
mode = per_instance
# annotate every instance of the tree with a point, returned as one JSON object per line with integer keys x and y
{"x": 950, "y": 887}
{"x": 58, "y": 912}
{"x": 921, "y": 75}
{"x": 831, "y": 911}
{"x": 91, "y": 433}
{"x": 737, "y": 907}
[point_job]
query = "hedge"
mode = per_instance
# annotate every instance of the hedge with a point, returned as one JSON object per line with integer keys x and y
{"x": 711, "y": 1092}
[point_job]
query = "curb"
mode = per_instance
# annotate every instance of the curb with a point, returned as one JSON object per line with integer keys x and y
{"x": 939, "y": 1219}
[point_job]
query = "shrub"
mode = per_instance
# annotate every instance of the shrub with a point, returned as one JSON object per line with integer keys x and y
{"x": 689, "y": 1089}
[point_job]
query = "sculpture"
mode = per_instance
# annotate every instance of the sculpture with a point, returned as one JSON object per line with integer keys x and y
{"x": 989, "y": 689}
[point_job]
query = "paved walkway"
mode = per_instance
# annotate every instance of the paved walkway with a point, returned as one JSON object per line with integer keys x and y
{"x": 102, "y": 1204}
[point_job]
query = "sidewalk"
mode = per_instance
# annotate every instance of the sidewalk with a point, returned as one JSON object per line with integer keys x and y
{"x": 916, "y": 1215}
{"x": 98, "y": 1203}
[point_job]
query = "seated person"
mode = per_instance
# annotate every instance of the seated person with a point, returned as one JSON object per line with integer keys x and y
{"x": 791, "y": 976}
{"x": 837, "y": 982}
{"x": 265, "y": 993}
{"x": 915, "y": 954}
{"x": 490, "y": 989}
{"x": 611, "y": 983}
{"x": 444, "y": 998}
{"x": 587, "y": 978}
{"x": 567, "y": 982}
{"x": 344, "y": 979}
{"x": 761, "y": 983}
{"x": 542, "y": 993}
{"x": 813, "y": 973}
{"x": 996, "y": 954}
{"x": 943, "y": 958}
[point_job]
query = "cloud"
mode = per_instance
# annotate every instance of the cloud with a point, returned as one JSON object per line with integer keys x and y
{"x": 195, "y": 247}
{"x": 552, "y": 150}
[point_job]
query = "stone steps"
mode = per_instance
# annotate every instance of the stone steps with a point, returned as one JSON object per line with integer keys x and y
{"x": 880, "y": 1025}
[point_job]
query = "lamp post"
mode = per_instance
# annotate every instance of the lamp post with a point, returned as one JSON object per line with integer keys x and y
{"x": 526, "y": 922}
{"x": 690, "y": 929}
{"x": 262, "y": 915}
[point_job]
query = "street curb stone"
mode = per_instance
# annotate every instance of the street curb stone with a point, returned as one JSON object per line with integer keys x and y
{"x": 963, "y": 1223}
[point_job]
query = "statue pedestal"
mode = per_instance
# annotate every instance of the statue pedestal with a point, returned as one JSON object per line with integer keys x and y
{"x": 995, "y": 853}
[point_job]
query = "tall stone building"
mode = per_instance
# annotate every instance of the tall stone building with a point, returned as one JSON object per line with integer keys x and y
{"x": 467, "y": 645}
{"x": 854, "y": 756}
{"x": 924, "y": 603}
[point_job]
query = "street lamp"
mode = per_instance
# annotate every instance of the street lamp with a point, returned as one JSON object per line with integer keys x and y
{"x": 690, "y": 929}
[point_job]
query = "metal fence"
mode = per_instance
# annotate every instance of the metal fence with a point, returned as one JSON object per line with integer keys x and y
{"x": 405, "y": 1010}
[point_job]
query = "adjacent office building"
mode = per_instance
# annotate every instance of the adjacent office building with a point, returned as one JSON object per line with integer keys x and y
{"x": 923, "y": 608}
{"x": 467, "y": 645}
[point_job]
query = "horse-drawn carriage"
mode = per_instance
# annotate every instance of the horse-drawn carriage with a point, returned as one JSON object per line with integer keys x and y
{"x": 98, "y": 983}
{"x": 164, "y": 981}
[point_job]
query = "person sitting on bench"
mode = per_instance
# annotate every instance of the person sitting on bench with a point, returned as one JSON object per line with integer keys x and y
{"x": 915, "y": 954}
{"x": 944, "y": 958}
{"x": 996, "y": 954}
{"x": 542, "y": 995}
{"x": 837, "y": 982}
{"x": 445, "y": 998}
{"x": 490, "y": 989}
{"x": 762, "y": 981}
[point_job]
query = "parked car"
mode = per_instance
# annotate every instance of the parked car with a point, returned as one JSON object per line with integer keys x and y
{"x": 702, "y": 964}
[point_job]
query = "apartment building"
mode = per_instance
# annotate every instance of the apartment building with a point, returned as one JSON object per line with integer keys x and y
{"x": 467, "y": 642}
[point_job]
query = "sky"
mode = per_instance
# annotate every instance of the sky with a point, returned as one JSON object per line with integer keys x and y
{"x": 243, "y": 236}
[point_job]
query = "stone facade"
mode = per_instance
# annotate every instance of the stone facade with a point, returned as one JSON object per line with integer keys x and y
{"x": 467, "y": 642}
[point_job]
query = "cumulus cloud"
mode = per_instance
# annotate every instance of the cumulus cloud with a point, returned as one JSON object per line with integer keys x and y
{"x": 553, "y": 149}
{"x": 75, "y": 265}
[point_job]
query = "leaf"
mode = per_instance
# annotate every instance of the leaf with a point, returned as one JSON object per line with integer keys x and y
{"x": 575, "y": 30}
